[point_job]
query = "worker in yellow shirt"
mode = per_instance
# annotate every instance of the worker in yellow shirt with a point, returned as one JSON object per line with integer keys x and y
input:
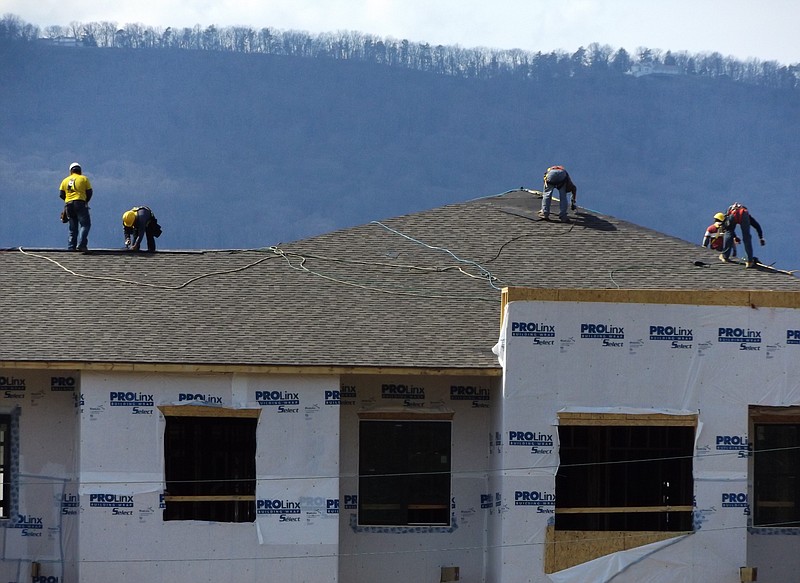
{"x": 76, "y": 192}
{"x": 137, "y": 224}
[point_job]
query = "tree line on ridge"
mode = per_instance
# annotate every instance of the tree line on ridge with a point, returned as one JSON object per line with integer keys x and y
{"x": 480, "y": 62}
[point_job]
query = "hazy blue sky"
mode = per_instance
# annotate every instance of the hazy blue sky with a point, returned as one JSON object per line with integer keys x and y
{"x": 765, "y": 29}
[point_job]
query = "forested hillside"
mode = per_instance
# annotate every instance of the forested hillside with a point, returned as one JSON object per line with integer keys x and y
{"x": 480, "y": 62}
{"x": 246, "y": 148}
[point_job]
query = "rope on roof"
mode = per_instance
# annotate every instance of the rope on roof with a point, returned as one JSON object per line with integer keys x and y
{"x": 300, "y": 265}
{"x": 484, "y": 272}
{"x": 146, "y": 284}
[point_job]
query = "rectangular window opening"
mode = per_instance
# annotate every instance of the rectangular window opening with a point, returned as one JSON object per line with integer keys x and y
{"x": 776, "y": 472}
{"x": 634, "y": 477}
{"x": 5, "y": 466}
{"x": 210, "y": 468}
{"x": 404, "y": 472}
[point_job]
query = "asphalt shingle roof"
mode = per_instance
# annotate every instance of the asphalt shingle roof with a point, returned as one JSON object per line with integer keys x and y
{"x": 420, "y": 291}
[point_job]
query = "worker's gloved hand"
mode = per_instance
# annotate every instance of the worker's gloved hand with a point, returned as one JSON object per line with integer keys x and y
{"x": 737, "y": 240}
{"x": 762, "y": 242}
{"x": 573, "y": 207}
{"x": 127, "y": 242}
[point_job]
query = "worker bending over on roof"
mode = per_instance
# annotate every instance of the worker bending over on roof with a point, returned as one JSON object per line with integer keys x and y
{"x": 739, "y": 215}
{"x": 557, "y": 178}
{"x": 138, "y": 223}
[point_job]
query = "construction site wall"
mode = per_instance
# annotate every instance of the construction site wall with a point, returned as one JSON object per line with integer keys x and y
{"x": 706, "y": 366}
{"x": 419, "y": 552}
{"x": 40, "y": 411}
{"x": 123, "y": 533}
{"x": 88, "y": 473}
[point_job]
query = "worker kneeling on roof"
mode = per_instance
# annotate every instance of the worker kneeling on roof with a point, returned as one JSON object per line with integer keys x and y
{"x": 138, "y": 223}
{"x": 715, "y": 235}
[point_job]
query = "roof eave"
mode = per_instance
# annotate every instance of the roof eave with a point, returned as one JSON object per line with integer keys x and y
{"x": 226, "y": 368}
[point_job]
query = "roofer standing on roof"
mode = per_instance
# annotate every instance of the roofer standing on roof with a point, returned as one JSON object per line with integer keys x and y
{"x": 715, "y": 235}
{"x": 739, "y": 215}
{"x": 76, "y": 192}
{"x": 557, "y": 178}
{"x": 138, "y": 223}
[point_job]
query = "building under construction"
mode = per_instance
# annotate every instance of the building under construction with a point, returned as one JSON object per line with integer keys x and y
{"x": 461, "y": 394}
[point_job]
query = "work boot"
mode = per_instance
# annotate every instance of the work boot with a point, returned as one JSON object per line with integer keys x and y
{"x": 749, "y": 264}
{"x": 565, "y": 219}
{"x": 542, "y": 215}
{"x": 723, "y": 258}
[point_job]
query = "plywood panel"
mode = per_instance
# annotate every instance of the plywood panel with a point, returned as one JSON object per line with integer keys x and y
{"x": 567, "y": 548}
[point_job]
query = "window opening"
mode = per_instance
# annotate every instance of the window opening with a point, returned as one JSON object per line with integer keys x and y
{"x": 5, "y": 465}
{"x": 776, "y": 474}
{"x": 634, "y": 477}
{"x": 209, "y": 464}
{"x": 404, "y": 472}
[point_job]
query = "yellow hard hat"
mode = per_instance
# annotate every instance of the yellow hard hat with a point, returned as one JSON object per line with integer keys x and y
{"x": 719, "y": 217}
{"x": 129, "y": 218}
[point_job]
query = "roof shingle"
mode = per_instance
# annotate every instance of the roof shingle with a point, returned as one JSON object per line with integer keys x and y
{"x": 416, "y": 291}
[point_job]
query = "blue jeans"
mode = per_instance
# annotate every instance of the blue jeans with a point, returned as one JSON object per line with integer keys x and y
{"x": 563, "y": 200}
{"x": 727, "y": 245}
{"x": 79, "y": 224}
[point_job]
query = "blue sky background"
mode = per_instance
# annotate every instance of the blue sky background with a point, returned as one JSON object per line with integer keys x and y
{"x": 744, "y": 29}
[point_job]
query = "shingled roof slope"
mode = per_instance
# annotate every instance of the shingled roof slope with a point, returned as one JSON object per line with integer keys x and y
{"x": 420, "y": 291}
